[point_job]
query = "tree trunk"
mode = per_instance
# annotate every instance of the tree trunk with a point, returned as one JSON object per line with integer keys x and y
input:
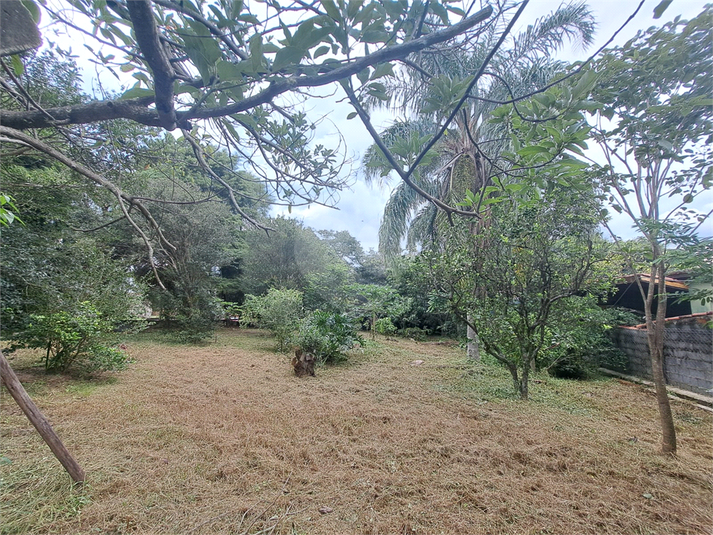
{"x": 655, "y": 338}
{"x": 473, "y": 349}
{"x": 515, "y": 376}
{"x": 13, "y": 385}
{"x": 524, "y": 382}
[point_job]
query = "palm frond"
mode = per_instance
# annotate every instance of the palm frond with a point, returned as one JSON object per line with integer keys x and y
{"x": 422, "y": 229}
{"x": 462, "y": 156}
{"x": 573, "y": 22}
{"x": 397, "y": 216}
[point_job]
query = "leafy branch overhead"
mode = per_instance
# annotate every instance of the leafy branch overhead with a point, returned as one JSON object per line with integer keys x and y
{"x": 190, "y": 65}
{"x": 232, "y": 76}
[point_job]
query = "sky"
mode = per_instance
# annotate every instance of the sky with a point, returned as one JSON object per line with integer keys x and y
{"x": 360, "y": 207}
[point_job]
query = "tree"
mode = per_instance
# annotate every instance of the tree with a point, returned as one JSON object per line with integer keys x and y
{"x": 280, "y": 311}
{"x": 410, "y": 276}
{"x": 286, "y": 258}
{"x": 469, "y": 156}
{"x": 48, "y": 267}
{"x": 371, "y": 302}
{"x": 226, "y": 77}
{"x": 654, "y": 131}
{"x": 538, "y": 251}
{"x": 369, "y": 267}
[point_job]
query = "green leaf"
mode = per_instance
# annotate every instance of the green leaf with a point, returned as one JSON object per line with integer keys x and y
{"x": 33, "y": 9}
{"x": 440, "y": 11}
{"x": 17, "y": 66}
{"x": 137, "y": 92}
{"x": 531, "y": 150}
{"x": 236, "y": 8}
{"x": 245, "y": 119}
{"x": 688, "y": 198}
{"x": 289, "y": 55}
{"x": 666, "y": 145}
{"x": 228, "y": 71}
{"x": 394, "y": 8}
{"x": 232, "y": 130}
{"x": 363, "y": 75}
{"x": 659, "y": 9}
{"x": 544, "y": 99}
{"x": 249, "y": 18}
{"x": 331, "y": 9}
{"x": 180, "y": 89}
{"x": 353, "y": 8}
{"x": 311, "y": 38}
{"x": 351, "y": 116}
{"x": 385, "y": 69}
{"x": 321, "y": 51}
{"x": 141, "y": 76}
{"x": 256, "y": 53}
{"x": 374, "y": 36}
{"x": 585, "y": 84}
{"x": 207, "y": 46}
{"x": 458, "y": 11}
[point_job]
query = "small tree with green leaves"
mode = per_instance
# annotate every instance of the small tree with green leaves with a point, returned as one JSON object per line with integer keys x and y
{"x": 537, "y": 252}
{"x": 654, "y": 129}
{"x": 279, "y": 311}
{"x": 73, "y": 339}
{"x": 327, "y": 336}
{"x": 370, "y": 302}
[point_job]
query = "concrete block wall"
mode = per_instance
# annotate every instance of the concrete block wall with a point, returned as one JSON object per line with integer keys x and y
{"x": 688, "y": 352}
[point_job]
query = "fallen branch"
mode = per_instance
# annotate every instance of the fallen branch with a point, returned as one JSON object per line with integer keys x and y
{"x": 17, "y": 391}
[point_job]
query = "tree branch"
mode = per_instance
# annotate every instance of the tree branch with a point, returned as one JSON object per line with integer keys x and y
{"x": 92, "y": 112}
{"x": 137, "y": 109}
{"x": 122, "y": 197}
{"x": 198, "y": 151}
{"x": 148, "y": 40}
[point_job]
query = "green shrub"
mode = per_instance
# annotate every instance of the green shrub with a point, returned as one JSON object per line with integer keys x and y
{"x": 188, "y": 321}
{"x": 278, "y": 311}
{"x": 385, "y": 326}
{"x": 414, "y": 332}
{"x": 73, "y": 340}
{"x": 327, "y": 336}
{"x": 193, "y": 329}
{"x": 578, "y": 348}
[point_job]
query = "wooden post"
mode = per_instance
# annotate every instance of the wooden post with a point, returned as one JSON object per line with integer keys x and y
{"x": 17, "y": 391}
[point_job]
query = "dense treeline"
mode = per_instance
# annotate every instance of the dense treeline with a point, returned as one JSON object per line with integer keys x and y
{"x": 498, "y": 202}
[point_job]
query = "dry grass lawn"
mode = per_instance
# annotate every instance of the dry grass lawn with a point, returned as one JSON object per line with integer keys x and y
{"x": 224, "y": 439}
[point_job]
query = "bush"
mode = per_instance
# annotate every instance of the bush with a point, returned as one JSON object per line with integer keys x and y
{"x": 187, "y": 323}
{"x": 73, "y": 340}
{"x": 278, "y": 311}
{"x": 414, "y": 332}
{"x": 327, "y": 336}
{"x": 385, "y": 326}
{"x": 580, "y": 347}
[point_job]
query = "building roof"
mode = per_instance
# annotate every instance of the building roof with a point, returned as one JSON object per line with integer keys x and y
{"x": 670, "y": 281}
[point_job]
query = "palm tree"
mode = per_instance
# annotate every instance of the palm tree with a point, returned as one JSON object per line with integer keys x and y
{"x": 466, "y": 158}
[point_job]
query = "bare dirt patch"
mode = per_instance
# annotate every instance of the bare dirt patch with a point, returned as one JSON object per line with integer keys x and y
{"x": 225, "y": 439}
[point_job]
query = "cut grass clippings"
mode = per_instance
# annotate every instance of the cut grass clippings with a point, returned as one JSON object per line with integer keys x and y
{"x": 223, "y": 438}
